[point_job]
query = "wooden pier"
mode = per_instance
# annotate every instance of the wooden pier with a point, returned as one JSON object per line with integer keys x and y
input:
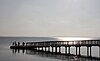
{"x": 55, "y": 46}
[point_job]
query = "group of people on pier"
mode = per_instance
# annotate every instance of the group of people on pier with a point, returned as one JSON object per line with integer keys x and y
{"x": 18, "y": 44}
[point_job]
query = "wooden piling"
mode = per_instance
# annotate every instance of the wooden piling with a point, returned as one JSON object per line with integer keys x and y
{"x": 99, "y": 51}
{"x": 87, "y": 51}
{"x": 45, "y": 48}
{"x": 90, "y": 51}
{"x": 49, "y": 49}
{"x": 59, "y": 49}
{"x": 76, "y": 50}
{"x": 79, "y": 50}
{"x": 65, "y": 49}
{"x": 69, "y": 50}
{"x": 52, "y": 49}
{"x": 55, "y": 49}
{"x": 42, "y": 48}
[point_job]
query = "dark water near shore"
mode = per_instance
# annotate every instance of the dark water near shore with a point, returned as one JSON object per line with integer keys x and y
{"x": 6, "y": 54}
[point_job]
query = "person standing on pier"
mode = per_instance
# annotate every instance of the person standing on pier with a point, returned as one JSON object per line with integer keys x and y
{"x": 23, "y": 44}
{"x": 13, "y": 44}
{"x": 18, "y": 43}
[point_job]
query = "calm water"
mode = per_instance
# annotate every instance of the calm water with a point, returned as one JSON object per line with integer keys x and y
{"x": 6, "y": 54}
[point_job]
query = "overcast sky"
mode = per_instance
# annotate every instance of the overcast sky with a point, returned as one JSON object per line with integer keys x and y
{"x": 50, "y": 18}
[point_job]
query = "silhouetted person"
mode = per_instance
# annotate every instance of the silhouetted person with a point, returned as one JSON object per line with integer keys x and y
{"x": 23, "y": 44}
{"x": 18, "y": 43}
{"x": 13, "y": 44}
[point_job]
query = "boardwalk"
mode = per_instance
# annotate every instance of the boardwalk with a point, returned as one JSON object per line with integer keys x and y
{"x": 55, "y": 46}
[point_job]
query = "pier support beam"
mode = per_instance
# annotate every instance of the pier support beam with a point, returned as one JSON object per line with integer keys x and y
{"x": 52, "y": 49}
{"x": 87, "y": 51}
{"x": 69, "y": 50}
{"x": 65, "y": 50}
{"x": 45, "y": 48}
{"x": 76, "y": 50}
{"x": 42, "y": 48}
{"x": 99, "y": 51}
{"x": 60, "y": 49}
{"x": 49, "y": 49}
{"x": 38, "y": 48}
{"x": 55, "y": 49}
{"x": 79, "y": 50}
{"x": 90, "y": 51}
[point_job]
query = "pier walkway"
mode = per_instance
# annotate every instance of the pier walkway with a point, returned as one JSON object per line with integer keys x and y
{"x": 55, "y": 46}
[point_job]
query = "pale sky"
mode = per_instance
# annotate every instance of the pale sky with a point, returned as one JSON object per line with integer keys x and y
{"x": 50, "y": 18}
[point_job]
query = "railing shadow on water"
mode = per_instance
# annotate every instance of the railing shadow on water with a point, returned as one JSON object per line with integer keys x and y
{"x": 64, "y": 57}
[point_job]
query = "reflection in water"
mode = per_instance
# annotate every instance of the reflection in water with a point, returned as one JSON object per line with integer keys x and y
{"x": 53, "y": 55}
{"x": 14, "y": 51}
